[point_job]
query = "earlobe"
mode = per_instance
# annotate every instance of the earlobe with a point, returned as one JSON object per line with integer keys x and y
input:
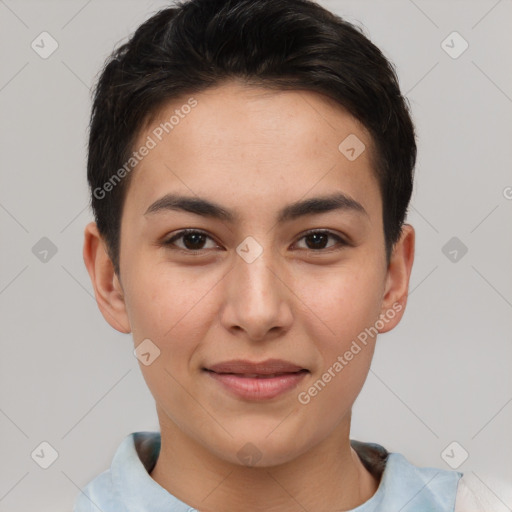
{"x": 397, "y": 279}
{"x": 107, "y": 287}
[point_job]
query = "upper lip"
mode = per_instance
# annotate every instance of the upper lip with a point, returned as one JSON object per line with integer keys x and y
{"x": 267, "y": 367}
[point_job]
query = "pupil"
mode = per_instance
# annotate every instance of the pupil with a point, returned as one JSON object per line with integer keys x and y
{"x": 197, "y": 239}
{"x": 316, "y": 236}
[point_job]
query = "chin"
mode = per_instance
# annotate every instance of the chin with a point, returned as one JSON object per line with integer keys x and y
{"x": 260, "y": 450}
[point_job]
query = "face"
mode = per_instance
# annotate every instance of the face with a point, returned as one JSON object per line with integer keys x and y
{"x": 266, "y": 275}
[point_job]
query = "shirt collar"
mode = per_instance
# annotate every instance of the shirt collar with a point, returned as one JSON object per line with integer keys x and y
{"x": 137, "y": 455}
{"x": 133, "y": 485}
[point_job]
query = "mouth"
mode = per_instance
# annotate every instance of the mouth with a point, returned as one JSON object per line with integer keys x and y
{"x": 264, "y": 369}
{"x": 257, "y": 381}
{"x": 258, "y": 375}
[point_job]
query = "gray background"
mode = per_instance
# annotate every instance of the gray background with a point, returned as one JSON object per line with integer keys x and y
{"x": 442, "y": 375}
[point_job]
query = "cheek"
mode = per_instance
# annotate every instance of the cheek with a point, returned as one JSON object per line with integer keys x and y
{"x": 169, "y": 307}
{"x": 172, "y": 307}
{"x": 341, "y": 302}
{"x": 346, "y": 307}
{"x": 345, "y": 303}
{"x": 160, "y": 297}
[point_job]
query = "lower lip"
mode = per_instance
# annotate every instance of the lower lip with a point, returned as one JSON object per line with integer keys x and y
{"x": 251, "y": 388}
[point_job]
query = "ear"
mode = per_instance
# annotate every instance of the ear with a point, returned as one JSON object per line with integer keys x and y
{"x": 107, "y": 287}
{"x": 397, "y": 280}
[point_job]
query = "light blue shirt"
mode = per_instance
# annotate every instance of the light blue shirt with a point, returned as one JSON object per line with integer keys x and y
{"x": 128, "y": 487}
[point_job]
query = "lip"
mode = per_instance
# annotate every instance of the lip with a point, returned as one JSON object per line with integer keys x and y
{"x": 267, "y": 367}
{"x": 257, "y": 381}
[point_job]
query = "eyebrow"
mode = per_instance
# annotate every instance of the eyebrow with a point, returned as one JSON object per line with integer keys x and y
{"x": 206, "y": 208}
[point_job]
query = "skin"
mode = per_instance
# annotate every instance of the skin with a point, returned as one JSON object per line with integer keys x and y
{"x": 254, "y": 151}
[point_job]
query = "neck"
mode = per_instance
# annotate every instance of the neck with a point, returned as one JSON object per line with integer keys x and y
{"x": 330, "y": 476}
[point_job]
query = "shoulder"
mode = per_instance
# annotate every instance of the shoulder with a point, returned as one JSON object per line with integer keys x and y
{"x": 405, "y": 486}
{"x": 466, "y": 500}
{"x": 430, "y": 484}
{"x": 97, "y": 494}
{"x": 108, "y": 491}
{"x": 473, "y": 495}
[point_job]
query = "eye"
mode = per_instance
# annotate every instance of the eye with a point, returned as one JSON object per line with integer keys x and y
{"x": 319, "y": 238}
{"x": 193, "y": 240}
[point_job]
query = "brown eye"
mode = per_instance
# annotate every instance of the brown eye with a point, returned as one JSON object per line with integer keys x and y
{"x": 192, "y": 240}
{"x": 317, "y": 240}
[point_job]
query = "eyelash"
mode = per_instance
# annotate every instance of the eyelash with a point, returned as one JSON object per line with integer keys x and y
{"x": 170, "y": 242}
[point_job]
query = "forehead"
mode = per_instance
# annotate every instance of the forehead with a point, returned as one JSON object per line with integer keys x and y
{"x": 236, "y": 143}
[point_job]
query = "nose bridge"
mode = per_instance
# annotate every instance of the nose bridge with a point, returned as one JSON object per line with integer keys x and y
{"x": 252, "y": 270}
{"x": 258, "y": 299}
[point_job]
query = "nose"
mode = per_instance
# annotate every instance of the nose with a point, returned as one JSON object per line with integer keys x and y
{"x": 257, "y": 299}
